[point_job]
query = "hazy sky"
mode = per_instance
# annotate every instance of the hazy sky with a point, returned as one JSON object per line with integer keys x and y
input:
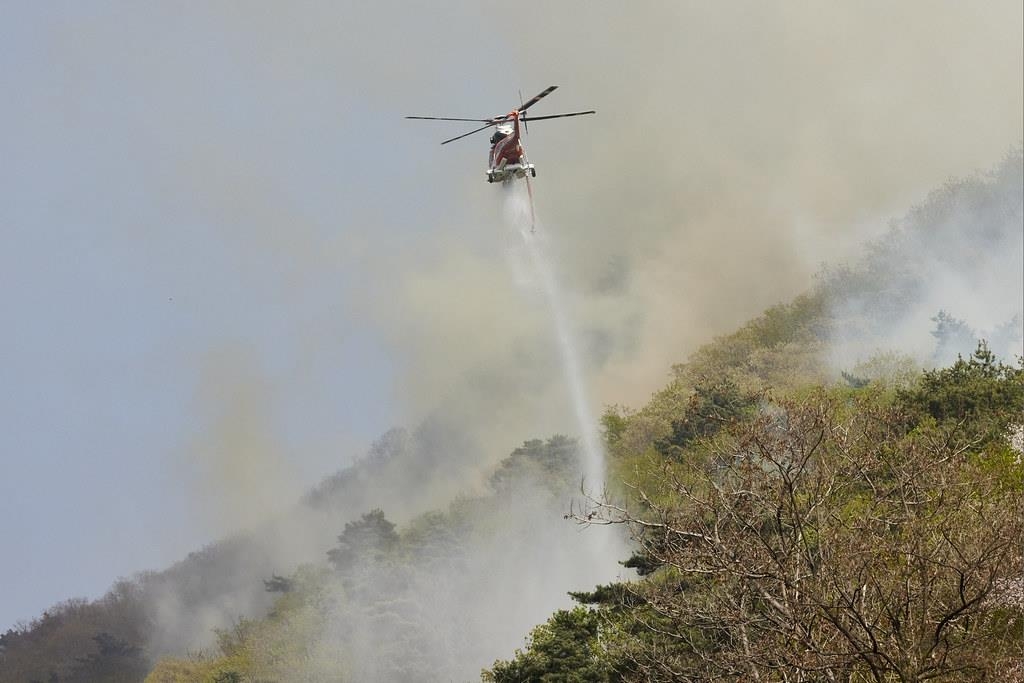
{"x": 227, "y": 263}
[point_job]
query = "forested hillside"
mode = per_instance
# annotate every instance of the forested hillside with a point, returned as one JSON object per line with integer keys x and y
{"x": 178, "y": 610}
{"x": 791, "y": 524}
{"x": 829, "y": 493}
{"x": 851, "y": 532}
{"x": 392, "y": 604}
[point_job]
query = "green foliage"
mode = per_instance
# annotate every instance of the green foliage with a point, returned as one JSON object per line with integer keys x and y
{"x": 115, "y": 661}
{"x": 982, "y": 392}
{"x": 278, "y": 584}
{"x": 787, "y": 323}
{"x": 614, "y": 422}
{"x": 889, "y": 370}
{"x": 713, "y": 406}
{"x": 290, "y": 643}
{"x": 566, "y": 649}
{"x": 781, "y": 350}
{"x": 553, "y": 464}
{"x": 951, "y": 335}
{"x": 818, "y": 522}
{"x": 853, "y": 381}
{"x": 643, "y": 563}
{"x": 610, "y": 595}
{"x": 386, "y": 605}
{"x": 78, "y": 639}
{"x": 197, "y": 671}
{"x": 368, "y": 538}
{"x": 778, "y": 349}
{"x": 181, "y": 671}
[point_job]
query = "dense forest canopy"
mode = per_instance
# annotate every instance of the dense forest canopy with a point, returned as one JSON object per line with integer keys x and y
{"x": 839, "y": 534}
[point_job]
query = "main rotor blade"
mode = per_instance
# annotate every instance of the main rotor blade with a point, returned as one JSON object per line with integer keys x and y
{"x": 526, "y": 128}
{"x": 558, "y": 116}
{"x": 534, "y": 100}
{"x": 459, "y": 137}
{"x": 443, "y": 118}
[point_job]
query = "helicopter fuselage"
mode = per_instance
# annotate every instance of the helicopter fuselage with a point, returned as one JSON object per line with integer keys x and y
{"x": 507, "y": 159}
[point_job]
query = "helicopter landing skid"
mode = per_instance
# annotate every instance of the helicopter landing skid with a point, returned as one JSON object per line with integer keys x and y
{"x": 510, "y": 171}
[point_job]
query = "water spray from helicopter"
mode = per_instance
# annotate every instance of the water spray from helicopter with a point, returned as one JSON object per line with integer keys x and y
{"x": 507, "y": 163}
{"x": 521, "y": 219}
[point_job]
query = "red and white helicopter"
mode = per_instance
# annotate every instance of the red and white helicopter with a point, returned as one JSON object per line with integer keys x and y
{"x": 507, "y": 159}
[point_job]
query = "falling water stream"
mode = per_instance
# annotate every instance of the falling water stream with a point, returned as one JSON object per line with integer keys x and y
{"x": 521, "y": 218}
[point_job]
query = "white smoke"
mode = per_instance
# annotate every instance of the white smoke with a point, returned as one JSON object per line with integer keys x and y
{"x": 946, "y": 275}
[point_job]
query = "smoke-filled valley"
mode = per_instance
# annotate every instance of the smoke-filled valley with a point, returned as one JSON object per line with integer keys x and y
{"x": 575, "y": 439}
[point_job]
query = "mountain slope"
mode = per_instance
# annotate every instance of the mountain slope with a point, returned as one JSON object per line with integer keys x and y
{"x": 870, "y": 326}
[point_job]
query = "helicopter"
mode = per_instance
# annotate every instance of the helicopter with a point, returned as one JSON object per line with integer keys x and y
{"x": 507, "y": 159}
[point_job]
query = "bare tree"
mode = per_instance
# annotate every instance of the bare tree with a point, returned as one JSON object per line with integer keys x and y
{"x": 823, "y": 542}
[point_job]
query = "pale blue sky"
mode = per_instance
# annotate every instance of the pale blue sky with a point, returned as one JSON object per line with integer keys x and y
{"x": 165, "y": 186}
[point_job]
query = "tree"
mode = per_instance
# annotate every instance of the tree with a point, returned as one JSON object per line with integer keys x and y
{"x": 714, "y": 404}
{"x": 563, "y": 650}
{"x": 980, "y": 392}
{"x": 369, "y": 538}
{"x": 278, "y": 584}
{"x": 952, "y": 337}
{"x": 824, "y": 542}
{"x": 114, "y": 661}
{"x": 553, "y": 464}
